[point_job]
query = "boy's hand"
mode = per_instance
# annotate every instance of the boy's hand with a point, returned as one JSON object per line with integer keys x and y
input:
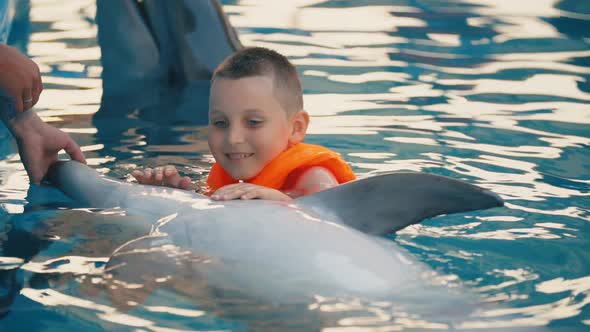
{"x": 162, "y": 176}
{"x": 248, "y": 191}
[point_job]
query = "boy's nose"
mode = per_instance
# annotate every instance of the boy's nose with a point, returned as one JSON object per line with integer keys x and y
{"x": 235, "y": 135}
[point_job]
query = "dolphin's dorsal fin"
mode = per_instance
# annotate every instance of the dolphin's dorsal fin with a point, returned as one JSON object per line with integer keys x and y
{"x": 386, "y": 203}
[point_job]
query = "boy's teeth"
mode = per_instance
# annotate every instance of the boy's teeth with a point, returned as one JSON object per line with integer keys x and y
{"x": 238, "y": 155}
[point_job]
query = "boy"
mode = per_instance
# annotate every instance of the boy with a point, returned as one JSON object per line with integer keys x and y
{"x": 256, "y": 125}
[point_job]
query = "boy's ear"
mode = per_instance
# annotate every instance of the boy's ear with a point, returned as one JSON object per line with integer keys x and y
{"x": 299, "y": 123}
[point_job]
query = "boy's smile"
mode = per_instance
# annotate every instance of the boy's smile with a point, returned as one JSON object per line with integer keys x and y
{"x": 238, "y": 156}
{"x": 248, "y": 127}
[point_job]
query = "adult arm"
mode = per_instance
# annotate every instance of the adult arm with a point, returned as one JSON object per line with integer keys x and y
{"x": 38, "y": 143}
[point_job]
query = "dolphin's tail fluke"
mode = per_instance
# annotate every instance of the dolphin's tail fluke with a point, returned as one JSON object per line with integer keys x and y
{"x": 383, "y": 204}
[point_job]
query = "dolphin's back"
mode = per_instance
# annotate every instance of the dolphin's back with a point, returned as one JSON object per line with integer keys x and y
{"x": 87, "y": 186}
{"x": 376, "y": 205}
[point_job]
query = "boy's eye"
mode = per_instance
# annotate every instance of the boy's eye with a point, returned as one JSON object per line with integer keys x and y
{"x": 254, "y": 122}
{"x": 219, "y": 124}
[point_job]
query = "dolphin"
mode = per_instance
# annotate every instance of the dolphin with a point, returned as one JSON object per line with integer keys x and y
{"x": 166, "y": 46}
{"x": 326, "y": 245}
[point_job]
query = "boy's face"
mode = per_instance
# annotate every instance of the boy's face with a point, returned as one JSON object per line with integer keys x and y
{"x": 248, "y": 127}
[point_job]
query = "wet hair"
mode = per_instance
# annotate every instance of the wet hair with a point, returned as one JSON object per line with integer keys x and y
{"x": 257, "y": 61}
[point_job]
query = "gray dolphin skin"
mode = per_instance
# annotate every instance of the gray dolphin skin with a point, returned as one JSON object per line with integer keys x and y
{"x": 282, "y": 253}
{"x": 151, "y": 43}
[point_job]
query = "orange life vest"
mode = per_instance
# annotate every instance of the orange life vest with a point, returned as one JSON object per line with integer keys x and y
{"x": 298, "y": 158}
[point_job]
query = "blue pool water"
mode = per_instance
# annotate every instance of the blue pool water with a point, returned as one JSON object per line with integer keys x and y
{"x": 496, "y": 93}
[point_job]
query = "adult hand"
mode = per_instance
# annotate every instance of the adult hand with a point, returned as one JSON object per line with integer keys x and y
{"x": 248, "y": 191}
{"x": 39, "y": 143}
{"x": 19, "y": 78}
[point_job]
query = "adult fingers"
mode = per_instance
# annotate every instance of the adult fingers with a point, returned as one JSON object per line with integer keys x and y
{"x": 27, "y": 99}
{"x": 74, "y": 151}
{"x": 35, "y": 175}
{"x": 18, "y": 101}
{"x": 36, "y": 84}
{"x": 41, "y": 87}
{"x": 37, "y": 88}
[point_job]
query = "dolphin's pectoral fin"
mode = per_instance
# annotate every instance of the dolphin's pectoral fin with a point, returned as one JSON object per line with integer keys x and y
{"x": 386, "y": 203}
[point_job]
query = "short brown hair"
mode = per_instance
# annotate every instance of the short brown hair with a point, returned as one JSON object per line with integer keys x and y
{"x": 256, "y": 61}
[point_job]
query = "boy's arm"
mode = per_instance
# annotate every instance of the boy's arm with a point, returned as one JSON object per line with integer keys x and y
{"x": 311, "y": 181}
